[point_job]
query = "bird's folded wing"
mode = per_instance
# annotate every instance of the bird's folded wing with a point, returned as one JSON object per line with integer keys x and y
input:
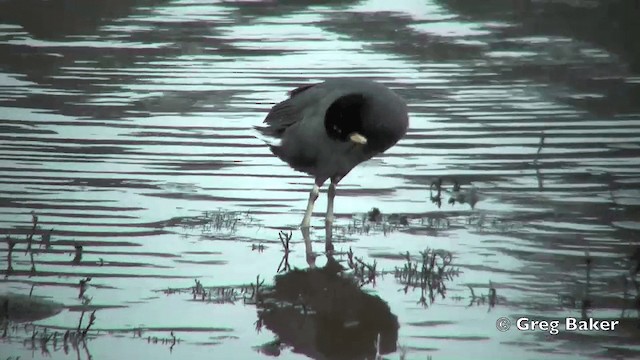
{"x": 285, "y": 113}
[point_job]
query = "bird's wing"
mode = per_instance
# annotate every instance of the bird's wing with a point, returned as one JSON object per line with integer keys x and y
{"x": 286, "y": 113}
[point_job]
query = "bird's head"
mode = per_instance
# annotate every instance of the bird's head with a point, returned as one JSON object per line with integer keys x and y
{"x": 375, "y": 121}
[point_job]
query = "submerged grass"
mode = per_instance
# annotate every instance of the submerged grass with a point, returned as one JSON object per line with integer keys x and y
{"x": 212, "y": 222}
{"x": 31, "y": 251}
{"x": 429, "y": 273}
{"x": 217, "y": 294}
{"x": 365, "y": 273}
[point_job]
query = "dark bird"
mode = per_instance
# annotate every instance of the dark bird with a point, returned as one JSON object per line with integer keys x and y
{"x": 326, "y": 129}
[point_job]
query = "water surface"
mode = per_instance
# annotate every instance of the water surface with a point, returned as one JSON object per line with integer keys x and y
{"x": 127, "y": 130}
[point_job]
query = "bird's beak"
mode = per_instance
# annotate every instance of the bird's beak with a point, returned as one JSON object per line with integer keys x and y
{"x": 357, "y": 138}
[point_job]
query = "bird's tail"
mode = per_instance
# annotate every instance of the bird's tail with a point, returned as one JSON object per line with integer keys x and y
{"x": 262, "y": 133}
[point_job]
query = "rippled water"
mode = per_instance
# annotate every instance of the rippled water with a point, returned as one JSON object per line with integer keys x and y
{"x": 127, "y": 130}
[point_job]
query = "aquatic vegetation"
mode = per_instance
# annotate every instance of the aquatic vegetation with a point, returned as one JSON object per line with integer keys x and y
{"x": 461, "y": 196}
{"x": 83, "y": 286}
{"x": 92, "y": 318}
{"x": 586, "y": 293}
{"x": 258, "y": 247}
{"x": 77, "y": 257}
{"x": 429, "y": 273}
{"x": 30, "y": 248}
{"x": 483, "y": 222}
{"x": 364, "y": 272}
{"x": 456, "y": 195}
{"x": 491, "y": 298}
{"x": 372, "y": 222}
{"x": 18, "y": 308}
{"x": 435, "y": 222}
{"x": 376, "y": 216}
{"x": 540, "y": 145}
{"x": 214, "y": 222}
{"x": 20, "y": 311}
{"x": 435, "y": 192}
{"x": 171, "y": 341}
{"x": 216, "y": 294}
{"x": 10, "y": 245}
{"x": 285, "y": 238}
{"x": 218, "y": 220}
{"x": 45, "y": 240}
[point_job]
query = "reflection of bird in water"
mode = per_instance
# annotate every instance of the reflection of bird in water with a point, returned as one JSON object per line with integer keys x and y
{"x": 324, "y": 314}
{"x": 327, "y": 129}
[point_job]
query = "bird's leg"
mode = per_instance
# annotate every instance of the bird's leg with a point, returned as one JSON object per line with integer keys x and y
{"x": 313, "y": 195}
{"x": 306, "y": 223}
{"x": 328, "y": 222}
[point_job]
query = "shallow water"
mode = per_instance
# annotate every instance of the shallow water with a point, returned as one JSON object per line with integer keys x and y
{"x": 127, "y": 130}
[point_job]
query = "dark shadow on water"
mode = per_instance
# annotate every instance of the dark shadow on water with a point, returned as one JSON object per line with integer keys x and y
{"x": 613, "y": 24}
{"x": 249, "y": 10}
{"x": 321, "y": 313}
{"x": 59, "y": 18}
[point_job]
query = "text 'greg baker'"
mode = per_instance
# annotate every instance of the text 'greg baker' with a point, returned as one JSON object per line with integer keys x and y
{"x": 570, "y": 324}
